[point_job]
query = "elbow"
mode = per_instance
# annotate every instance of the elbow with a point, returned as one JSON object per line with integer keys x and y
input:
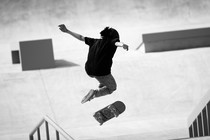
{"x": 119, "y": 44}
{"x": 81, "y": 38}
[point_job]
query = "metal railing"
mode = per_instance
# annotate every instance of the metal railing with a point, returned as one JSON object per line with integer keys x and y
{"x": 47, "y": 121}
{"x": 199, "y": 119}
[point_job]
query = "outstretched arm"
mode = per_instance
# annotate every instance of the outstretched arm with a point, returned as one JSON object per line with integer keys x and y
{"x": 63, "y": 28}
{"x": 121, "y": 44}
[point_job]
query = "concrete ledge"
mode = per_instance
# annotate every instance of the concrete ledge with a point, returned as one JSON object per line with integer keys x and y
{"x": 15, "y": 53}
{"x": 15, "y": 57}
{"x": 37, "y": 54}
{"x": 177, "y": 40}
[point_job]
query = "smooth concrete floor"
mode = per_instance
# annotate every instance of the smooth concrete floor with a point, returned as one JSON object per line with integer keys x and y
{"x": 160, "y": 90}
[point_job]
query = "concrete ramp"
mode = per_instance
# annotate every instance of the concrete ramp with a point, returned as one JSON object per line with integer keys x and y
{"x": 176, "y": 40}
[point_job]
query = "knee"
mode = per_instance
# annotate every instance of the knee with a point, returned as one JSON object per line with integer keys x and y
{"x": 113, "y": 88}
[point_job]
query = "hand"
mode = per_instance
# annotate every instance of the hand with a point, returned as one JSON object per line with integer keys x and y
{"x": 63, "y": 28}
{"x": 125, "y": 46}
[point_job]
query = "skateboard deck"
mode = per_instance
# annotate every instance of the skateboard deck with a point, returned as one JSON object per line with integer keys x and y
{"x": 109, "y": 112}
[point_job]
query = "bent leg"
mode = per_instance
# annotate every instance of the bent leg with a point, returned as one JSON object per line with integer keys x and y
{"x": 109, "y": 85}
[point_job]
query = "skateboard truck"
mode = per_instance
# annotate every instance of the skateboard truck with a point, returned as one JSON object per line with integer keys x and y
{"x": 114, "y": 111}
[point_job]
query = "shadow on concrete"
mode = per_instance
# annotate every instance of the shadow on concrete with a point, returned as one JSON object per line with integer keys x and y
{"x": 61, "y": 63}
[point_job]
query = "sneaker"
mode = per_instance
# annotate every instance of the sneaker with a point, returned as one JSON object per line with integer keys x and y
{"x": 89, "y": 96}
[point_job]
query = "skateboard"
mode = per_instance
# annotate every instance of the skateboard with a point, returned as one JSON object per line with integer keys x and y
{"x": 109, "y": 112}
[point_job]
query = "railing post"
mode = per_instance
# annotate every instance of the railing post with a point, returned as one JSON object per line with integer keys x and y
{"x": 38, "y": 133}
{"x": 31, "y": 137}
{"x": 57, "y": 135}
{"x": 47, "y": 130}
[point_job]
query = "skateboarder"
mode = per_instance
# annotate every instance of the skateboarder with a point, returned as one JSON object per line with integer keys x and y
{"x": 99, "y": 61}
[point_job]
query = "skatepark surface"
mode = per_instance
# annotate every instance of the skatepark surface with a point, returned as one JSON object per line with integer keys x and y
{"x": 160, "y": 90}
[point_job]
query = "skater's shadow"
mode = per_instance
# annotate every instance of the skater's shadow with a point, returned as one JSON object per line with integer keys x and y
{"x": 61, "y": 63}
